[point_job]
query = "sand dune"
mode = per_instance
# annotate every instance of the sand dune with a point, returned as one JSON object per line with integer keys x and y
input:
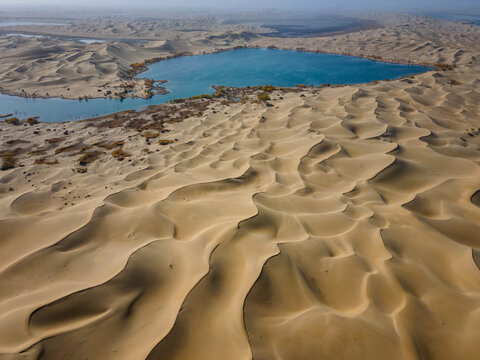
{"x": 341, "y": 223}
{"x": 64, "y": 68}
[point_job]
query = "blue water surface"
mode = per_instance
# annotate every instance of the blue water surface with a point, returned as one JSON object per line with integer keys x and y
{"x": 29, "y": 23}
{"x": 194, "y": 75}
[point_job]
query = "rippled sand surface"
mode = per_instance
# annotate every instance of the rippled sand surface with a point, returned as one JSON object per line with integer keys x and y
{"x": 342, "y": 223}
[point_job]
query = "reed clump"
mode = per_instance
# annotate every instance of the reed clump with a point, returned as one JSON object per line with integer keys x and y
{"x": 89, "y": 157}
{"x": 268, "y": 88}
{"x": 263, "y": 97}
{"x": 151, "y": 135}
{"x": 120, "y": 154}
{"x": 445, "y": 66}
{"x": 13, "y": 121}
{"x": 32, "y": 121}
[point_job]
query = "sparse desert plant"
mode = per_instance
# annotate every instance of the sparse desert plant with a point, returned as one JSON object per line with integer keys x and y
{"x": 268, "y": 88}
{"x": 150, "y": 135}
{"x": 89, "y": 157}
{"x": 40, "y": 151}
{"x": 165, "y": 142}
{"x": 8, "y": 162}
{"x": 203, "y": 96}
{"x": 54, "y": 140}
{"x": 445, "y": 66}
{"x": 138, "y": 65}
{"x": 13, "y": 121}
{"x": 9, "y": 159}
{"x": 45, "y": 161}
{"x": 263, "y": 97}
{"x": 219, "y": 93}
{"x": 32, "y": 121}
{"x": 115, "y": 144}
{"x": 65, "y": 149}
{"x": 119, "y": 154}
{"x": 16, "y": 142}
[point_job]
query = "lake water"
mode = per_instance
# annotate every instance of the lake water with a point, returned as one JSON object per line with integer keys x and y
{"x": 194, "y": 75}
{"x": 304, "y": 25}
{"x": 472, "y": 19}
{"x": 23, "y": 35}
{"x": 27, "y": 23}
{"x": 90, "y": 41}
{"x": 80, "y": 40}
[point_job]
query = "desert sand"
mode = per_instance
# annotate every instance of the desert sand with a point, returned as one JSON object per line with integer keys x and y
{"x": 55, "y": 65}
{"x": 339, "y": 223}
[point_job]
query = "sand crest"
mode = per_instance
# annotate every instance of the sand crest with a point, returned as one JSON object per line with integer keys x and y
{"x": 340, "y": 223}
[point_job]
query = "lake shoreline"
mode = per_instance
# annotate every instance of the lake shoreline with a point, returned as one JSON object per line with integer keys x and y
{"x": 135, "y": 71}
{"x": 213, "y": 68}
{"x": 331, "y": 223}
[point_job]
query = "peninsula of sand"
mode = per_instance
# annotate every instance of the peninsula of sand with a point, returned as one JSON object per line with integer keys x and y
{"x": 324, "y": 223}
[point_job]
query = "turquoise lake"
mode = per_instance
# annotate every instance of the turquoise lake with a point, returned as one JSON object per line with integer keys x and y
{"x": 194, "y": 75}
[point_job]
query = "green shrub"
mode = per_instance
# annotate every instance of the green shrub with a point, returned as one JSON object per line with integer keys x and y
{"x": 32, "y": 121}
{"x": 13, "y": 121}
{"x": 203, "y": 96}
{"x": 268, "y": 88}
{"x": 263, "y": 97}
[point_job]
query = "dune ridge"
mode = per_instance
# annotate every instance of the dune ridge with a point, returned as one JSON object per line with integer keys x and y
{"x": 338, "y": 223}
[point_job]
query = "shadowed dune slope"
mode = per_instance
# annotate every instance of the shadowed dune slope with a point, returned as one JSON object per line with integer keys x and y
{"x": 342, "y": 223}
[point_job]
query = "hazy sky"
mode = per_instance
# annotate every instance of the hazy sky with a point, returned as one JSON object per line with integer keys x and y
{"x": 431, "y": 5}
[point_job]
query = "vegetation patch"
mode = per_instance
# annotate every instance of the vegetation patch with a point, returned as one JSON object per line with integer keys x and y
{"x": 13, "y": 121}
{"x": 54, "y": 140}
{"x": 32, "y": 121}
{"x": 120, "y": 155}
{"x": 203, "y": 96}
{"x": 445, "y": 66}
{"x": 46, "y": 161}
{"x": 64, "y": 149}
{"x": 89, "y": 157}
{"x": 115, "y": 144}
{"x": 220, "y": 92}
{"x": 16, "y": 142}
{"x": 268, "y": 88}
{"x": 9, "y": 158}
{"x": 40, "y": 151}
{"x": 263, "y": 97}
{"x": 151, "y": 135}
{"x": 8, "y": 162}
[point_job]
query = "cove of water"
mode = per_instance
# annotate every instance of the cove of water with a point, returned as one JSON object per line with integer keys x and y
{"x": 194, "y": 75}
{"x": 28, "y": 23}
